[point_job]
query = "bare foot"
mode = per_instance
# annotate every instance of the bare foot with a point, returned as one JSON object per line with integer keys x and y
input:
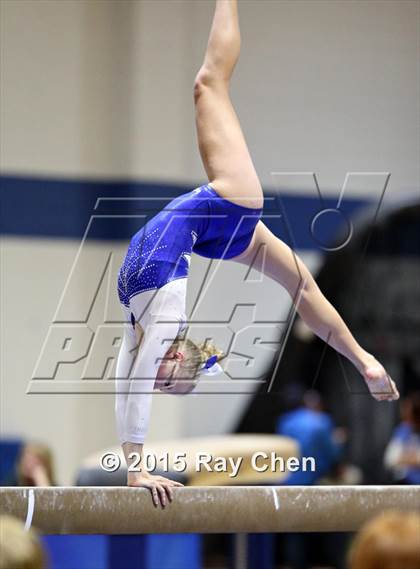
{"x": 380, "y": 384}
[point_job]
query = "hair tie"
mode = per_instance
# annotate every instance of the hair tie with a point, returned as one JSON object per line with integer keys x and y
{"x": 211, "y": 367}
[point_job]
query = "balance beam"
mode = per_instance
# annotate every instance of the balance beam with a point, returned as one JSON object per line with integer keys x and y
{"x": 246, "y": 509}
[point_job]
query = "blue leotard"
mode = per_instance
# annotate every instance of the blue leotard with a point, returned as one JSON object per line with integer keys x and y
{"x": 152, "y": 288}
{"x": 199, "y": 221}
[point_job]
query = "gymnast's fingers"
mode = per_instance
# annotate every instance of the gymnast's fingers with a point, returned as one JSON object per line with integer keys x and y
{"x": 169, "y": 491}
{"x": 154, "y": 492}
{"x": 162, "y": 495}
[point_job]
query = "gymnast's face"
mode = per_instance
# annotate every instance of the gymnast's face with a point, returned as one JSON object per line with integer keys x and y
{"x": 167, "y": 380}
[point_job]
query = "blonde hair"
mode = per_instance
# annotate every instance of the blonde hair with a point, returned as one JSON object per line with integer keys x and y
{"x": 389, "y": 541}
{"x": 194, "y": 357}
{"x": 19, "y": 549}
{"x": 44, "y": 454}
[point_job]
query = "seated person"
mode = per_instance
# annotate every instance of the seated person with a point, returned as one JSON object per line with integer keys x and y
{"x": 389, "y": 541}
{"x": 34, "y": 467}
{"x": 19, "y": 548}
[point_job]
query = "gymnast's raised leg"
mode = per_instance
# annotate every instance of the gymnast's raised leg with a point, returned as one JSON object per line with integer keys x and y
{"x": 231, "y": 172}
{"x": 222, "y": 145}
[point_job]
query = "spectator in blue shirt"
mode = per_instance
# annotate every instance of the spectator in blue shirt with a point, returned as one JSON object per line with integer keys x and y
{"x": 402, "y": 455}
{"x": 314, "y": 430}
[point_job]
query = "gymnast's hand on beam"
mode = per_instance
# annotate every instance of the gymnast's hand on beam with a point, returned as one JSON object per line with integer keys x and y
{"x": 380, "y": 384}
{"x": 160, "y": 487}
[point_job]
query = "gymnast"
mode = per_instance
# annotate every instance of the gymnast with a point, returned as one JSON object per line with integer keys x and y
{"x": 219, "y": 220}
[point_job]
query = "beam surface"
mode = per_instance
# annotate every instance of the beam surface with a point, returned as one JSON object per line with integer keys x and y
{"x": 249, "y": 509}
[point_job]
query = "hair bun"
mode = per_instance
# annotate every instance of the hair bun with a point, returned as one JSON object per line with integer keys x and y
{"x": 208, "y": 350}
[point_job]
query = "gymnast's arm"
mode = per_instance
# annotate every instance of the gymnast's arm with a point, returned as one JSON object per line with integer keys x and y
{"x": 283, "y": 265}
{"x": 134, "y": 414}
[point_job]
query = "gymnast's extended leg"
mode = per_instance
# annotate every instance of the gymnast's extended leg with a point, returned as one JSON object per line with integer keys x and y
{"x": 222, "y": 144}
{"x": 279, "y": 262}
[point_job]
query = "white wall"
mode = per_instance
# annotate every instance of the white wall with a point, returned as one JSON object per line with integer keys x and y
{"x": 103, "y": 89}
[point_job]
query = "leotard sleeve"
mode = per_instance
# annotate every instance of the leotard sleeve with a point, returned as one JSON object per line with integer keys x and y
{"x": 157, "y": 338}
{"x": 161, "y": 314}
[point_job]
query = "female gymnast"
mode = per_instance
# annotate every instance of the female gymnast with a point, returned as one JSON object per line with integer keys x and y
{"x": 220, "y": 220}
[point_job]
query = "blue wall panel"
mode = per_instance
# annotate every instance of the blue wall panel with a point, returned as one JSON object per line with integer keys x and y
{"x": 62, "y": 209}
